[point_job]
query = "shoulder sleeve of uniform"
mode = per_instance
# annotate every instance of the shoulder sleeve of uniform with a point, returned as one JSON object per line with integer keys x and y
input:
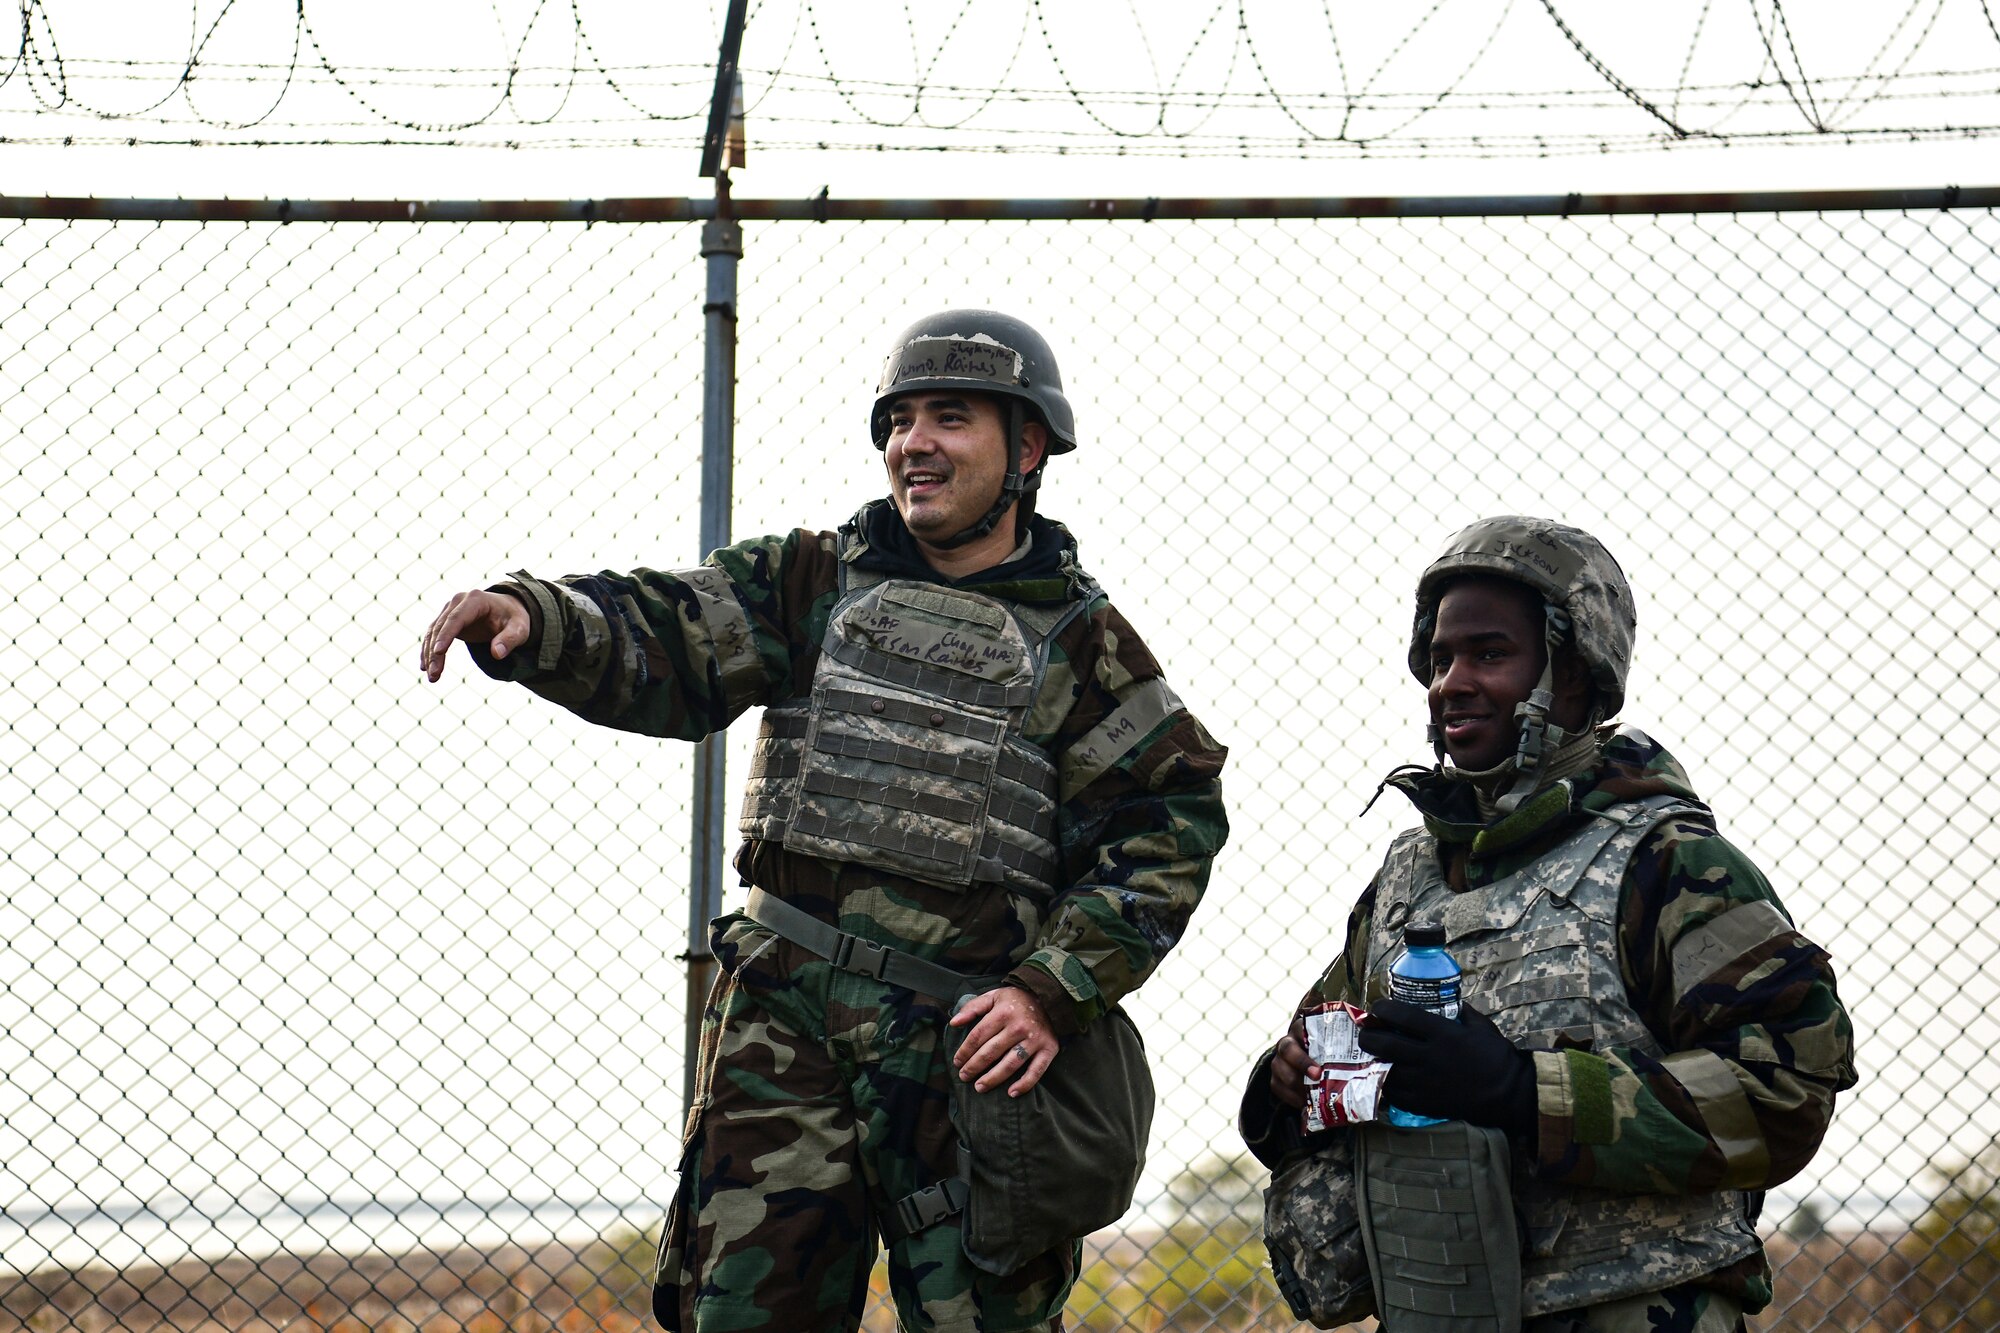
{"x": 1756, "y": 1041}
{"x": 1116, "y": 685}
{"x": 1139, "y": 816}
{"x": 788, "y": 587}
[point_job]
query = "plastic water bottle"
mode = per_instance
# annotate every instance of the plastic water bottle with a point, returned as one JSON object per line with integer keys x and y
{"x": 1424, "y": 975}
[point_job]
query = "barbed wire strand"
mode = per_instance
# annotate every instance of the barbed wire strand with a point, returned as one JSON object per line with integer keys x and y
{"x": 1609, "y": 77}
{"x": 1808, "y": 108}
{"x": 291, "y": 72}
{"x": 1495, "y": 102}
{"x": 1828, "y": 107}
{"x": 617, "y": 89}
{"x": 702, "y": 76}
{"x": 1687, "y": 61}
{"x": 1437, "y": 101}
{"x": 1235, "y": 47}
{"x": 1936, "y": 9}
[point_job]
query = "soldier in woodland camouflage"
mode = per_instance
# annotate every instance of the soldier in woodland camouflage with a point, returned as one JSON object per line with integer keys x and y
{"x": 1644, "y": 1022}
{"x": 969, "y": 765}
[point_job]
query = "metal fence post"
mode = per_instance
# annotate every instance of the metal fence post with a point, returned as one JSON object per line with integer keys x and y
{"x": 722, "y": 247}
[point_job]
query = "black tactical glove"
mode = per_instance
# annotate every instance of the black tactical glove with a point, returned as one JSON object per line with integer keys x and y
{"x": 1457, "y": 1070}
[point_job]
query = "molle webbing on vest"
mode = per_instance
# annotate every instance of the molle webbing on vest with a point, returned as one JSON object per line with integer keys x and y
{"x": 1539, "y": 953}
{"x": 1025, "y": 813}
{"x": 916, "y": 676}
{"x": 784, "y": 762}
{"x": 908, "y": 756}
{"x": 996, "y": 858}
{"x": 1438, "y": 1225}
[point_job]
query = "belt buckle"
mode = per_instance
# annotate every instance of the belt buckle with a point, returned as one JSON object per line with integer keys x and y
{"x": 930, "y": 1205}
{"x": 863, "y": 957}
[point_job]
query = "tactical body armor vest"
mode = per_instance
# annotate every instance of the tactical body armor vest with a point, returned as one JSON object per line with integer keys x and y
{"x": 1539, "y": 951}
{"x": 907, "y": 756}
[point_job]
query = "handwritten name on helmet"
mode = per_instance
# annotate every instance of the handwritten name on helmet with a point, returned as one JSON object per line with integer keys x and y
{"x": 976, "y": 358}
{"x": 1541, "y": 552}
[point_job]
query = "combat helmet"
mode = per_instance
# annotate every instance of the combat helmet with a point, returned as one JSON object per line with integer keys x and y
{"x": 1586, "y": 603}
{"x": 982, "y": 351}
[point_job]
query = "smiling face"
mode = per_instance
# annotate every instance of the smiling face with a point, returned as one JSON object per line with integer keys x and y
{"x": 947, "y": 460}
{"x": 1486, "y": 657}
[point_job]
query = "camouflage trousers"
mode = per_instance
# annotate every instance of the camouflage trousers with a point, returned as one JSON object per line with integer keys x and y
{"x": 1683, "y": 1309}
{"x": 822, "y": 1098}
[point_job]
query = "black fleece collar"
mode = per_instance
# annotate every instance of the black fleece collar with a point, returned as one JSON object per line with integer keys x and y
{"x": 876, "y": 539}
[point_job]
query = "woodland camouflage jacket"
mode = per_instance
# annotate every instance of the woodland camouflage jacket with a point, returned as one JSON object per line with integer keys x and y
{"x": 1140, "y": 818}
{"x": 1618, "y": 1119}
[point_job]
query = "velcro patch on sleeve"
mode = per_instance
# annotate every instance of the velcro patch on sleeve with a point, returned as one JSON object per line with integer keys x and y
{"x": 1142, "y": 709}
{"x": 1714, "y": 944}
{"x": 1590, "y": 1091}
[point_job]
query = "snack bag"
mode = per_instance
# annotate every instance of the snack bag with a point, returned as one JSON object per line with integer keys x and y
{"x": 1348, "y": 1090}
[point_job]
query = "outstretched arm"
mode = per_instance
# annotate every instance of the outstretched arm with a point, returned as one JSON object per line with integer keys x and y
{"x": 673, "y": 653}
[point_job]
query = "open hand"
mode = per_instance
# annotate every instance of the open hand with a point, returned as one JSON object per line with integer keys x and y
{"x": 491, "y": 618}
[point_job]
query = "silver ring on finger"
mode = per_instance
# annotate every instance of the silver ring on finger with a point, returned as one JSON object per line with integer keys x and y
{"x": 1020, "y": 1051}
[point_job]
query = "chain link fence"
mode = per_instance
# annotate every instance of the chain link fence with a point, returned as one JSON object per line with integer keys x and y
{"x": 333, "y": 1000}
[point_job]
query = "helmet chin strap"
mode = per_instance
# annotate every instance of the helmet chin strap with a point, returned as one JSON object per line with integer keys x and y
{"x": 1011, "y": 488}
{"x": 1539, "y": 736}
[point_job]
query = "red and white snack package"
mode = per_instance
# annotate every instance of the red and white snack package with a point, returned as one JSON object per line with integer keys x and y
{"x": 1348, "y": 1090}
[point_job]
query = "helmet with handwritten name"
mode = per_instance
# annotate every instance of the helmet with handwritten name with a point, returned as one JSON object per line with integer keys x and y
{"x": 981, "y": 351}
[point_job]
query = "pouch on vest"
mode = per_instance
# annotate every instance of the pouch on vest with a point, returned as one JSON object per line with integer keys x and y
{"x": 1313, "y": 1235}
{"x": 1437, "y": 1220}
{"x": 1057, "y": 1164}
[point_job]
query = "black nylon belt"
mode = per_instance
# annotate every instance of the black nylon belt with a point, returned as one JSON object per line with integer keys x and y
{"x": 851, "y": 953}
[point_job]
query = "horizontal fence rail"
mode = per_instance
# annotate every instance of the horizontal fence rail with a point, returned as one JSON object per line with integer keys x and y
{"x": 988, "y": 210}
